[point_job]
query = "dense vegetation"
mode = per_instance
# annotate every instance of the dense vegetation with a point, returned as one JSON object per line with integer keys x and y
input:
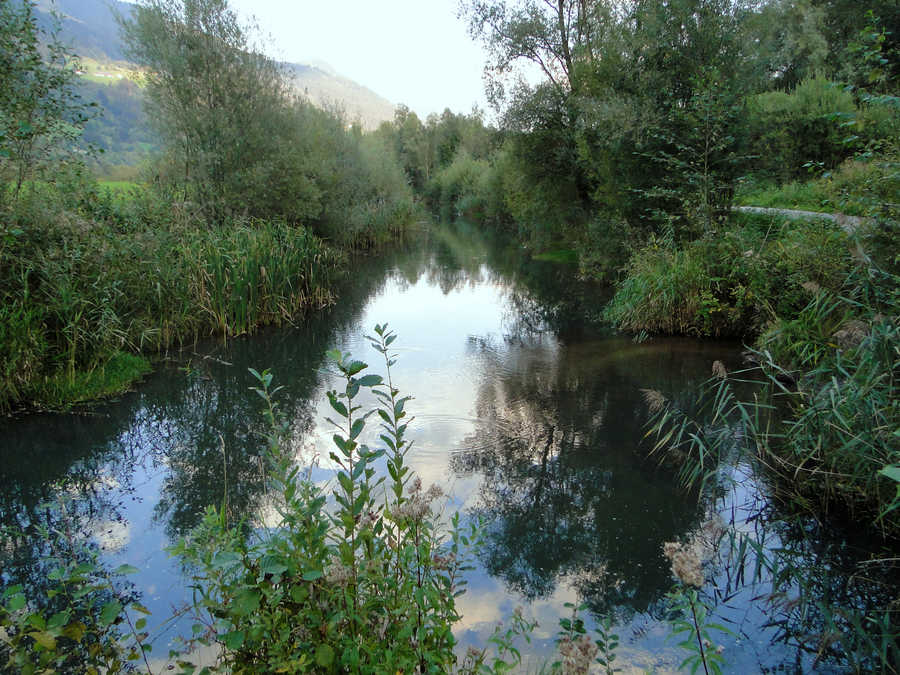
{"x": 244, "y": 222}
{"x": 645, "y": 123}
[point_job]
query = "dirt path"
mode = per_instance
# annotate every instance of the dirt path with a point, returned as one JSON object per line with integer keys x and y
{"x": 848, "y": 223}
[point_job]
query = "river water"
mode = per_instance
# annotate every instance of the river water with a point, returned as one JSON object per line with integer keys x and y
{"x": 527, "y": 411}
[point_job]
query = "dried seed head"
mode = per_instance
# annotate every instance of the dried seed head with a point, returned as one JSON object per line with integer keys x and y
{"x": 686, "y": 564}
{"x": 655, "y": 400}
{"x": 851, "y": 334}
{"x": 719, "y": 370}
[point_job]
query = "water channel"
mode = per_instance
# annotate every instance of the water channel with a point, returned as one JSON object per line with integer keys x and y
{"x": 528, "y": 412}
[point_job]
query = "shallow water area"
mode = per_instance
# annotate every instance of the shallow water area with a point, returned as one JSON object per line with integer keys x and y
{"x": 528, "y": 413}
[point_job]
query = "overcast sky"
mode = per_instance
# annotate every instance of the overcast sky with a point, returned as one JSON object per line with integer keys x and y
{"x": 415, "y": 52}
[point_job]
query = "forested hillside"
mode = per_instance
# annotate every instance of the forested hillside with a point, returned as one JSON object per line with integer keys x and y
{"x": 91, "y": 31}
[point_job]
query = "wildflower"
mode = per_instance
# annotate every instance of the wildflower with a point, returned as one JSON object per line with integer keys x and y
{"x": 719, "y": 370}
{"x": 577, "y": 656}
{"x": 368, "y": 520}
{"x": 654, "y": 399}
{"x": 686, "y": 565}
{"x": 415, "y": 486}
{"x": 415, "y": 508}
{"x": 434, "y": 492}
{"x": 338, "y": 573}
{"x": 720, "y": 649}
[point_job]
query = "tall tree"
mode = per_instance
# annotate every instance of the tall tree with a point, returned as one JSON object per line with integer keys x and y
{"x": 41, "y": 113}
{"x": 217, "y": 100}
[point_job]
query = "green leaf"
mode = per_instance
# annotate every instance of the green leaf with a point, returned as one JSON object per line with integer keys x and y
{"x": 337, "y": 405}
{"x": 370, "y": 380}
{"x": 324, "y": 656}
{"x": 356, "y": 366}
{"x": 246, "y": 601}
{"x": 234, "y": 639}
{"x": 75, "y": 631}
{"x": 126, "y": 569}
{"x": 892, "y": 472}
{"x": 272, "y": 565}
{"x": 16, "y": 602}
{"x": 312, "y": 575}
{"x": 110, "y": 612}
{"x": 225, "y": 559}
{"x": 58, "y": 620}
{"x": 44, "y": 639}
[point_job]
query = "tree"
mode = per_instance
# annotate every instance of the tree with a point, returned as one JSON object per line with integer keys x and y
{"x": 220, "y": 105}
{"x": 41, "y": 113}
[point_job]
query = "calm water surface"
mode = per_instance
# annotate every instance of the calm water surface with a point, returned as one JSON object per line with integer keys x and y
{"x": 527, "y": 415}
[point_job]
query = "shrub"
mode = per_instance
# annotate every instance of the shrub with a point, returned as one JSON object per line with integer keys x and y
{"x": 808, "y": 126}
{"x": 369, "y": 585}
{"x": 731, "y": 283}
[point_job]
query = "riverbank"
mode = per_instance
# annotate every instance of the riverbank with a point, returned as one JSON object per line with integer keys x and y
{"x": 94, "y": 284}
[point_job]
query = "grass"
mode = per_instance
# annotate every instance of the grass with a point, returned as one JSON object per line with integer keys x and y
{"x": 564, "y": 255}
{"x": 116, "y": 376}
{"x": 733, "y": 283}
{"x": 124, "y": 273}
{"x": 117, "y": 186}
{"x": 809, "y": 196}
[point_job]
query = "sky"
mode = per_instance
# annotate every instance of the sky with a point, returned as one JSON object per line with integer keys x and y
{"x": 415, "y": 52}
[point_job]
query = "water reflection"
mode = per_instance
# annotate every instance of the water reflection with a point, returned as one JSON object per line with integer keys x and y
{"x": 565, "y": 490}
{"x": 527, "y": 412}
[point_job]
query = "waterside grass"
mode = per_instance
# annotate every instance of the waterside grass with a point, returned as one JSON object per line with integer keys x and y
{"x": 79, "y": 293}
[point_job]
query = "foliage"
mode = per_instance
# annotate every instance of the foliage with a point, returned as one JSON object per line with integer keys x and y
{"x": 691, "y": 619}
{"x": 822, "y": 423}
{"x": 809, "y": 126}
{"x": 217, "y": 101}
{"x": 369, "y": 585}
{"x": 84, "y": 621}
{"x": 734, "y": 282}
{"x": 81, "y": 283}
{"x": 41, "y": 112}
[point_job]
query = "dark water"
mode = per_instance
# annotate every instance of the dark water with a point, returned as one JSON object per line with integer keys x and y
{"x": 529, "y": 416}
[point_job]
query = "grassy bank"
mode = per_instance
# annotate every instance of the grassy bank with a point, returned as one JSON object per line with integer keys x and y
{"x": 86, "y": 287}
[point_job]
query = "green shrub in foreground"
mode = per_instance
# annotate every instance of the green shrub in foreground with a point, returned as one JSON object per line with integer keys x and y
{"x": 366, "y": 585}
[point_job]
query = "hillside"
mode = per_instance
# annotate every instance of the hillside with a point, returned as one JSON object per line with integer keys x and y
{"x": 91, "y": 29}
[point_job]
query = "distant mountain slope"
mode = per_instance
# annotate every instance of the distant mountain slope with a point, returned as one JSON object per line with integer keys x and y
{"x": 89, "y": 26}
{"x": 325, "y": 88}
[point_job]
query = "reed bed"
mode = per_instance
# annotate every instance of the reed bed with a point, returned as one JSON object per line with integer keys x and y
{"x": 77, "y": 292}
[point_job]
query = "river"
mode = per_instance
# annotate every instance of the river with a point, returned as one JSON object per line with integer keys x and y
{"x": 527, "y": 411}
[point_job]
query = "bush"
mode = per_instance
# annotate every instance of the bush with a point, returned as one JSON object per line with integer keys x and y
{"x": 807, "y": 127}
{"x": 368, "y": 586}
{"x": 731, "y": 283}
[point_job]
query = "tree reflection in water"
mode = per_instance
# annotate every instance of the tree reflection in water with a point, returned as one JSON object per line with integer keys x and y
{"x": 567, "y": 493}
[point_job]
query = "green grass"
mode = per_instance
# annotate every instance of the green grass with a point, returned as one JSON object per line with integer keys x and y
{"x": 117, "y": 186}
{"x": 125, "y": 273}
{"x": 810, "y": 196}
{"x": 116, "y": 376}
{"x": 564, "y": 255}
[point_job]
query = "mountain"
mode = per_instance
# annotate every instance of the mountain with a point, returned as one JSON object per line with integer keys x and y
{"x": 90, "y": 27}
